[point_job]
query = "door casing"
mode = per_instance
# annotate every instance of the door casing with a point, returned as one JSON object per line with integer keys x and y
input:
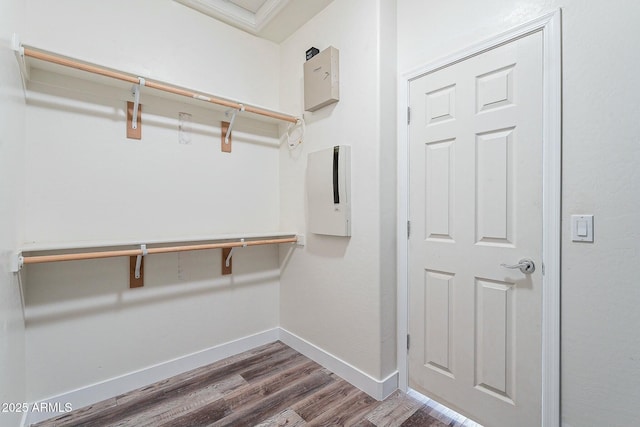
{"x": 550, "y": 26}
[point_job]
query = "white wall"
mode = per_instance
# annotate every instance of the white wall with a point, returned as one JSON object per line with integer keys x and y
{"x": 601, "y": 153}
{"x": 86, "y": 181}
{"x": 387, "y": 110}
{"x": 12, "y": 137}
{"x": 181, "y": 187}
{"x": 339, "y": 292}
{"x": 159, "y": 39}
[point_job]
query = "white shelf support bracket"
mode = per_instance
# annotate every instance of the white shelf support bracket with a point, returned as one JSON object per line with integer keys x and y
{"x": 17, "y": 262}
{"x": 233, "y": 118}
{"x": 18, "y": 49}
{"x": 135, "y": 91}
{"x": 228, "y": 260}
{"x": 301, "y": 240}
{"x": 144, "y": 250}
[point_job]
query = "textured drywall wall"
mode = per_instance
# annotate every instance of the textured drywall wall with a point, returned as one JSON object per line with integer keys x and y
{"x": 339, "y": 293}
{"x": 85, "y": 181}
{"x": 600, "y": 293}
{"x": 12, "y": 138}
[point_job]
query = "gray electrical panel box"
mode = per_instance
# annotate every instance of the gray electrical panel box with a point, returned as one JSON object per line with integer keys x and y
{"x": 329, "y": 191}
{"x": 321, "y": 80}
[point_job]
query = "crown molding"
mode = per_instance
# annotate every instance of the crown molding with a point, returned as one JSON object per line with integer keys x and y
{"x": 238, "y": 16}
{"x": 275, "y": 20}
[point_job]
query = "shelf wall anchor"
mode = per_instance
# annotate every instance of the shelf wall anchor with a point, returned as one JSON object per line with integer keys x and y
{"x": 18, "y": 49}
{"x": 17, "y": 262}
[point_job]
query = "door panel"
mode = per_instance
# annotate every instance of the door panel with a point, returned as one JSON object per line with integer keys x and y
{"x": 439, "y": 182}
{"x": 476, "y": 203}
{"x": 494, "y": 187}
{"x": 494, "y": 337}
{"x": 438, "y": 321}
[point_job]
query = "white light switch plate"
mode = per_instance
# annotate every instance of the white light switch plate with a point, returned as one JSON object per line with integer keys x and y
{"x": 582, "y": 228}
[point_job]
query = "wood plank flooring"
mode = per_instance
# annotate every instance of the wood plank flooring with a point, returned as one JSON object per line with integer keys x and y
{"x": 272, "y": 385}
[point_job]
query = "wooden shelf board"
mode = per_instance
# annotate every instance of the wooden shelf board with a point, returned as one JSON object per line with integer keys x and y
{"x": 42, "y": 247}
{"x": 37, "y": 64}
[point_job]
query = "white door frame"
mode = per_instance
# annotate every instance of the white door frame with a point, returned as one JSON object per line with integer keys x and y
{"x": 550, "y": 26}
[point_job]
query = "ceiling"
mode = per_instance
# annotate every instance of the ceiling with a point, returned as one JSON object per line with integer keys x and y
{"x": 273, "y": 20}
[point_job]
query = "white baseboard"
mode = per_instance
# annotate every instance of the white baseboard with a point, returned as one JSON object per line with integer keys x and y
{"x": 106, "y": 389}
{"x": 378, "y": 389}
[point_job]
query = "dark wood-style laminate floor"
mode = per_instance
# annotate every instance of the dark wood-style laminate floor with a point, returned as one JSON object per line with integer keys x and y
{"x": 272, "y": 385}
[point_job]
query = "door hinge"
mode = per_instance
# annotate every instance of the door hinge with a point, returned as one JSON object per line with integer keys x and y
{"x": 408, "y": 115}
{"x": 408, "y": 229}
{"x": 408, "y": 342}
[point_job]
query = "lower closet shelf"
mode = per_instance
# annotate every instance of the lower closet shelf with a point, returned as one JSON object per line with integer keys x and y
{"x": 35, "y": 254}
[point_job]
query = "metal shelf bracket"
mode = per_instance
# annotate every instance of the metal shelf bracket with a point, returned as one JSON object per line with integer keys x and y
{"x": 144, "y": 250}
{"x": 234, "y": 113}
{"x": 135, "y": 91}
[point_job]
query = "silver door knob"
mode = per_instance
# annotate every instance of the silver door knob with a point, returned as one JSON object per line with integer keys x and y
{"x": 526, "y": 265}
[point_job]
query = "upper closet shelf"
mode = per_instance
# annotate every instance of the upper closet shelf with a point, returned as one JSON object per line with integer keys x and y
{"x": 30, "y": 57}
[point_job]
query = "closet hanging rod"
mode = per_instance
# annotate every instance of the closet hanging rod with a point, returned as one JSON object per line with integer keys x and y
{"x": 162, "y": 250}
{"x": 95, "y": 69}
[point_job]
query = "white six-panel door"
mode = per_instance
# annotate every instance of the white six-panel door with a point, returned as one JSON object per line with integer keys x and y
{"x": 475, "y": 203}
